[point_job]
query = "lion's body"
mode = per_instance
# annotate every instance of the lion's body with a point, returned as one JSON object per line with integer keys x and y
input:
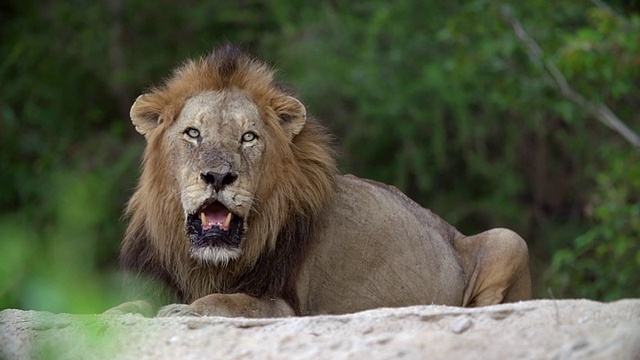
{"x": 240, "y": 212}
{"x": 394, "y": 253}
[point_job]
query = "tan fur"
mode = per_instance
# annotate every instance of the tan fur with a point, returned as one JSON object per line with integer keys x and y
{"x": 366, "y": 244}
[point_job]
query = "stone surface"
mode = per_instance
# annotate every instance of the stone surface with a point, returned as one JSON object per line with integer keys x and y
{"x": 539, "y": 329}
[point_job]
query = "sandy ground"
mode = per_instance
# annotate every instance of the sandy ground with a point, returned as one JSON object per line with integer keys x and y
{"x": 539, "y": 329}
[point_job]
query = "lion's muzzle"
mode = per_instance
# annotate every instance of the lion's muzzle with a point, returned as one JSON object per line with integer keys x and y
{"x": 213, "y": 225}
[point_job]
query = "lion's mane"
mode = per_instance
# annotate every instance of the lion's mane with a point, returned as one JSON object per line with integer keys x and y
{"x": 294, "y": 190}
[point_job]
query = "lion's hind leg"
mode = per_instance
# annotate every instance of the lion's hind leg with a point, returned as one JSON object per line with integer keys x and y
{"x": 496, "y": 265}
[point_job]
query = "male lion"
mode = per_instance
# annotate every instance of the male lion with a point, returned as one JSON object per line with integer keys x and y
{"x": 239, "y": 211}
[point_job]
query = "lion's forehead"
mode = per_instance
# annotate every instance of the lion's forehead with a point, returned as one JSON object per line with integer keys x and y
{"x": 220, "y": 109}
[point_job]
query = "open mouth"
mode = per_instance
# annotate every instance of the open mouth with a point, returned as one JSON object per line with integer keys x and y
{"x": 213, "y": 225}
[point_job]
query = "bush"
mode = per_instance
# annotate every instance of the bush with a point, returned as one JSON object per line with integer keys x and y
{"x": 603, "y": 263}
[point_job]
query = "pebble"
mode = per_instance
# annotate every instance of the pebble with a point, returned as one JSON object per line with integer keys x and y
{"x": 461, "y": 325}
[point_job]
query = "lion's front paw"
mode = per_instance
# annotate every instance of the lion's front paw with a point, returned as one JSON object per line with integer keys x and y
{"x": 177, "y": 310}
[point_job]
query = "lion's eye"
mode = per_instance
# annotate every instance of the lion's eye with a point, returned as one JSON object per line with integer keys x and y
{"x": 192, "y": 133}
{"x": 249, "y": 136}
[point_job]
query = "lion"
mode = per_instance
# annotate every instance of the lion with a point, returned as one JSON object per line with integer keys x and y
{"x": 240, "y": 212}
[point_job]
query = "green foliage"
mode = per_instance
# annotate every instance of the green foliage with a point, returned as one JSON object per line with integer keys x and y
{"x": 439, "y": 99}
{"x": 57, "y": 250}
{"x": 603, "y": 262}
{"x": 606, "y": 52}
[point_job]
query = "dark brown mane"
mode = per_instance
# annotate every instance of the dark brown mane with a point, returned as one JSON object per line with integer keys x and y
{"x": 225, "y": 61}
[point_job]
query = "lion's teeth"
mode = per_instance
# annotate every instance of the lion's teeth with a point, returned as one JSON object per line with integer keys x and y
{"x": 203, "y": 218}
{"x": 227, "y": 221}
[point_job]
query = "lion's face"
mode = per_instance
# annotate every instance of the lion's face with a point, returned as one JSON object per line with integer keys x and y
{"x": 216, "y": 148}
{"x": 230, "y": 161}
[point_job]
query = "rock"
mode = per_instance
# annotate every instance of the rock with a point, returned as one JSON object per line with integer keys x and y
{"x": 539, "y": 329}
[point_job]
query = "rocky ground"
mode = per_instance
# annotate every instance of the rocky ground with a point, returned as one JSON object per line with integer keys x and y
{"x": 539, "y": 329}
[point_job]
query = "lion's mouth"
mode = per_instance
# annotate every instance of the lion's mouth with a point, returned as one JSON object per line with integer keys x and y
{"x": 213, "y": 225}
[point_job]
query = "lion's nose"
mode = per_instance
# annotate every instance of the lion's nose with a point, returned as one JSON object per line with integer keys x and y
{"x": 218, "y": 180}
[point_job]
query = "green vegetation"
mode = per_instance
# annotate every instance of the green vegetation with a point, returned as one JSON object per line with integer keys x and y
{"x": 445, "y": 100}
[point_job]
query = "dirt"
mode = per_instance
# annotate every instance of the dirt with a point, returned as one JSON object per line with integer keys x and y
{"x": 538, "y": 329}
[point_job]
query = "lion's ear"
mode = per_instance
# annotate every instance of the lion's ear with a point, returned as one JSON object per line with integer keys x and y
{"x": 292, "y": 114}
{"x": 144, "y": 114}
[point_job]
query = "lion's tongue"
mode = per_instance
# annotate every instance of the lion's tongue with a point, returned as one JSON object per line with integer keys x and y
{"x": 215, "y": 215}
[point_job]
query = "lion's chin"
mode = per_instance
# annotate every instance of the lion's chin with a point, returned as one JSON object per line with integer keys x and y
{"x": 218, "y": 256}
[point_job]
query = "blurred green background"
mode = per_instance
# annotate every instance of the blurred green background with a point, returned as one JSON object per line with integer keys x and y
{"x": 440, "y": 98}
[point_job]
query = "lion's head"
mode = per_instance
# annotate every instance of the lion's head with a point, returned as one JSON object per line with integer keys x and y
{"x": 231, "y": 158}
